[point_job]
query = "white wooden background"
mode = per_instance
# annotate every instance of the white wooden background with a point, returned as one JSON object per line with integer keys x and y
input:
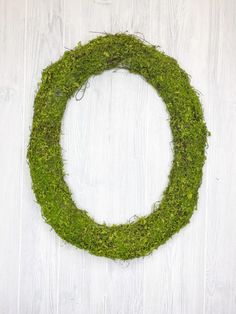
{"x": 117, "y": 145}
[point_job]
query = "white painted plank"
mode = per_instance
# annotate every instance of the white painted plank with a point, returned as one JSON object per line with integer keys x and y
{"x": 103, "y": 286}
{"x": 181, "y": 30}
{"x": 11, "y": 134}
{"x": 221, "y": 205}
{"x": 39, "y": 249}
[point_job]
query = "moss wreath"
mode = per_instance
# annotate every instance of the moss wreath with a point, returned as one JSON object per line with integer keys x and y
{"x": 60, "y": 81}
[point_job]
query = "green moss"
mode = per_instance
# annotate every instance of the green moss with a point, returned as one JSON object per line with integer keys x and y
{"x": 60, "y": 81}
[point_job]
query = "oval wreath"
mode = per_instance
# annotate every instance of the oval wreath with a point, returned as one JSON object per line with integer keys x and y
{"x": 60, "y": 81}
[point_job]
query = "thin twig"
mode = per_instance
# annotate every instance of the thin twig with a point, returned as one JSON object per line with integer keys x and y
{"x": 82, "y": 89}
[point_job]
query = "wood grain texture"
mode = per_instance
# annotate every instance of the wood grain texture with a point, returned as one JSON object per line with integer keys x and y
{"x": 11, "y": 143}
{"x": 117, "y": 148}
